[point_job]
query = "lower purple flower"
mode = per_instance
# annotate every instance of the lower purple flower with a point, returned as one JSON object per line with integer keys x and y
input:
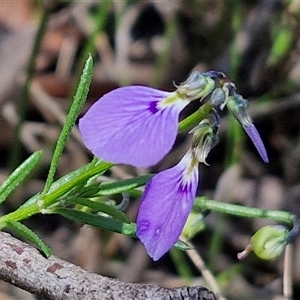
{"x": 133, "y": 125}
{"x": 167, "y": 201}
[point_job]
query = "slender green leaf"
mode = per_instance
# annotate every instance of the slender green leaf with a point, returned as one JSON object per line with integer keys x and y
{"x": 117, "y": 187}
{"x": 87, "y": 191}
{"x": 135, "y": 193}
{"x": 29, "y": 235}
{"x": 72, "y": 116}
{"x": 18, "y": 175}
{"x": 98, "y": 221}
{"x": 101, "y": 207}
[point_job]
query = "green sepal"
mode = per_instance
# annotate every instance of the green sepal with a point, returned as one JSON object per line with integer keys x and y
{"x": 183, "y": 246}
{"x": 18, "y": 175}
{"x": 101, "y": 207}
{"x": 117, "y": 187}
{"x": 28, "y": 234}
{"x": 270, "y": 241}
{"x": 98, "y": 221}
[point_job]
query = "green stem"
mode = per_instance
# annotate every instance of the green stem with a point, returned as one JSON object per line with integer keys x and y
{"x": 20, "y": 214}
{"x": 235, "y": 141}
{"x": 23, "y": 101}
{"x": 234, "y": 133}
{"x": 38, "y": 203}
{"x": 195, "y": 118}
{"x": 243, "y": 211}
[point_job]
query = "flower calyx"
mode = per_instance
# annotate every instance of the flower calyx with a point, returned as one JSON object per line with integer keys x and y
{"x": 197, "y": 86}
{"x": 205, "y": 137}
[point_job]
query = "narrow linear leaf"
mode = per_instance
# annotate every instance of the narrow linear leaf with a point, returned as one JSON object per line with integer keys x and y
{"x": 87, "y": 191}
{"x": 29, "y": 235}
{"x": 135, "y": 193}
{"x": 121, "y": 186}
{"x": 101, "y": 207}
{"x": 18, "y": 175}
{"x": 98, "y": 221}
{"x": 75, "y": 109}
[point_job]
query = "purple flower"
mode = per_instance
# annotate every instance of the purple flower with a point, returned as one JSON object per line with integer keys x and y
{"x": 165, "y": 206}
{"x": 169, "y": 196}
{"x": 132, "y": 125}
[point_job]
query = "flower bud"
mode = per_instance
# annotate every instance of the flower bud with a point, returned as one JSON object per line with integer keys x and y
{"x": 218, "y": 97}
{"x": 197, "y": 86}
{"x": 269, "y": 242}
{"x": 204, "y": 139}
{"x": 194, "y": 224}
{"x": 238, "y": 106}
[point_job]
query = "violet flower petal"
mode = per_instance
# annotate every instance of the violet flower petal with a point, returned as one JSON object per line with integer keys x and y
{"x": 132, "y": 125}
{"x": 257, "y": 141}
{"x": 238, "y": 106}
{"x": 165, "y": 206}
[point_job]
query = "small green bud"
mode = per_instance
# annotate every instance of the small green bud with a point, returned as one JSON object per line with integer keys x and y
{"x": 194, "y": 224}
{"x": 269, "y": 242}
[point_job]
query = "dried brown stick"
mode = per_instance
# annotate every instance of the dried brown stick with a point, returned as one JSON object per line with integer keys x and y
{"x": 53, "y": 278}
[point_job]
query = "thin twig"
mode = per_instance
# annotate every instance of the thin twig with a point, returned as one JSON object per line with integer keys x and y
{"x": 207, "y": 275}
{"x": 288, "y": 272}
